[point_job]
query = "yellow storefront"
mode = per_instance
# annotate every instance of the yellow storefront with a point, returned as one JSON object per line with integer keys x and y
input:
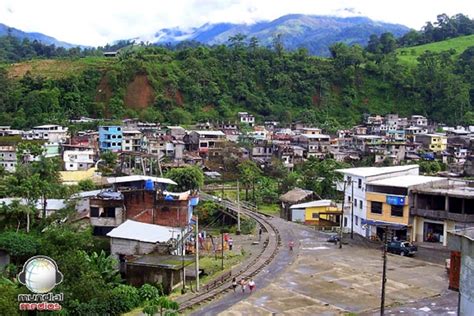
{"x": 388, "y": 208}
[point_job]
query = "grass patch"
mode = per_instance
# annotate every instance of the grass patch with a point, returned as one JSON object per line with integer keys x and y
{"x": 270, "y": 209}
{"x": 408, "y": 55}
{"x": 58, "y": 68}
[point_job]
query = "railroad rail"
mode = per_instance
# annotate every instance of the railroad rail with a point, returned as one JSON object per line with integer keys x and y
{"x": 223, "y": 284}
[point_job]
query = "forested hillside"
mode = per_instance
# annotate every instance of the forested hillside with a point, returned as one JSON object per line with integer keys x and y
{"x": 213, "y": 83}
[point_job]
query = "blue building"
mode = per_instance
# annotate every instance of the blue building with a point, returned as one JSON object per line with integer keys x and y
{"x": 110, "y": 138}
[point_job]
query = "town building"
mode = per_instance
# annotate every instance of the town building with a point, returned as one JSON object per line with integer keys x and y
{"x": 207, "y": 143}
{"x": 433, "y": 142}
{"x": 246, "y": 118}
{"x": 461, "y": 242}
{"x": 354, "y": 187}
{"x": 132, "y": 140}
{"x": 438, "y": 209}
{"x": 323, "y": 213}
{"x": 8, "y": 158}
{"x": 78, "y": 157}
{"x": 292, "y": 197}
{"x": 110, "y": 138}
{"x": 50, "y": 133}
{"x": 389, "y": 200}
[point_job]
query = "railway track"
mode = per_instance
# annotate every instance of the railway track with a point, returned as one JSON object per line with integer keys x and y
{"x": 223, "y": 284}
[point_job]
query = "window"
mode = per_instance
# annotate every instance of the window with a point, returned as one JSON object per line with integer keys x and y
{"x": 315, "y": 215}
{"x": 71, "y": 165}
{"x": 109, "y": 211}
{"x": 355, "y": 202}
{"x": 94, "y": 211}
{"x": 376, "y": 207}
{"x": 397, "y": 210}
{"x": 357, "y": 221}
{"x": 345, "y": 221}
{"x": 348, "y": 199}
{"x": 359, "y": 183}
{"x": 360, "y": 204}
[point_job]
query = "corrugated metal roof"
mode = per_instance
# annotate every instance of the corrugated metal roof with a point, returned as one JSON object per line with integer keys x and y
{"x": 405, "y": 181}
{"x": 144, "y": 232}
{"x": 374, "y": 171}
{"x": 312, "y": 204}
{"x": 112, "y": 180}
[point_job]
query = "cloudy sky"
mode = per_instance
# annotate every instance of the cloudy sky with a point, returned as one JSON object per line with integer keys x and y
{"x": 97, "y": 22}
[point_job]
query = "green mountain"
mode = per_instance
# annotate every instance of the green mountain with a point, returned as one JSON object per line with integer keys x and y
{"x": 313, "y": 32}
{"x": 409, "y": 55}
{"x": 33, "y": 36}
{"x": 214, "y": 83}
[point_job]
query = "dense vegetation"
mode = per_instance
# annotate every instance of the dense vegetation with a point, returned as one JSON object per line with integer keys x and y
{"x": 213, "y": 83}
{"x": 444, "y": 28}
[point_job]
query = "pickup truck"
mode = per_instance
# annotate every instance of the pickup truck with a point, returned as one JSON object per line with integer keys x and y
{"x": 403, "y": 248}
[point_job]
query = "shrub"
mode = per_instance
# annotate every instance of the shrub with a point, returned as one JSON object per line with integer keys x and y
{"x": 123, "y": 299}
{"x": 148, "y": 292}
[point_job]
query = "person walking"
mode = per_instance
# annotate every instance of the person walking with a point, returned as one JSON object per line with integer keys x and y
{"x": 260, "y": 234}
{"x": 251, "y": 285}
{"x": 230, "y": 242}
{"x": 242, "y": 285}
{"x": 234, "y": 284}
{"x": 291, "y": 244}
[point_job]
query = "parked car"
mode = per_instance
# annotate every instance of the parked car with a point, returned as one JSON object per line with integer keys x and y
{"x": 403, "y": 248}
{"x": 334, "y": 238}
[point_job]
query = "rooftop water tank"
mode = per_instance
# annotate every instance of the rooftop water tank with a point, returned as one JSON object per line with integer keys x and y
{"x": 149, "y": 186}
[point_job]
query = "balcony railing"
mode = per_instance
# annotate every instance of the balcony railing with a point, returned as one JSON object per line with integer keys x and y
{"x": 442, "y": 215}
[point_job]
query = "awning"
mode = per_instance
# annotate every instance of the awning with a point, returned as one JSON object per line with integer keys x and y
{"x": 383, "y": 224}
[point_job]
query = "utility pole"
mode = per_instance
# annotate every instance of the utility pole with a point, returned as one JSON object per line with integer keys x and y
{"x": 222, "y": 251}
{"x": 197, "y": 252}
{"x": 238, "y": 209}
{"x": 352, "y": 210}
{"x": 384, "y": 272}
{"x": 182, "y": 261}
{"x": 342, "y": 213}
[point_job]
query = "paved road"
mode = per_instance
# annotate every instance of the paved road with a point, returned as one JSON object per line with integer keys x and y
{"x": 320, "y": 279}
{"x": 267, "y": 276}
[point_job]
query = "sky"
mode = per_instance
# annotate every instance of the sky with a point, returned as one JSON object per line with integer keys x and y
{"x": 97, "y": 22}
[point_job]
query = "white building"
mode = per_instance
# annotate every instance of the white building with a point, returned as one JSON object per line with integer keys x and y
{"x": 357, "y": 179}
{"x": 51, "y": 133}
{"x": 8, "y": 158}
{"x": 78, "y": 159}
{"x": 132, "y": 140}
{"x": 246, "y": 118}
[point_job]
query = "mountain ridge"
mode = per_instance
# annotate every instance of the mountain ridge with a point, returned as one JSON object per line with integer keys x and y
{"x": 313, "y": 32}
{"x": 32, "y": 36}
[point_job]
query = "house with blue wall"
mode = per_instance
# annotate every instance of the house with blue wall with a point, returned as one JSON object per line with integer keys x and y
{"x": 110, "y": 138}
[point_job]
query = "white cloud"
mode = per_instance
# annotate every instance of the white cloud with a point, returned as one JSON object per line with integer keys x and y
{"x": 100, "y": 21}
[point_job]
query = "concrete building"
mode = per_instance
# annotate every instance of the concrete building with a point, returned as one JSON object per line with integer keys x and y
{"x": 246, "y": 118}
{"x": 315, "y": 145}
{"x": 462, "y": 241}
{"x": 136, "y": 238}
{"x": 132, "y": 140}
{"x": 110, "y": 138}
{"x": 357, "y": 178}
{"x": 8, "y": 158}
{"x": 438, "y": 209}
{"x": 433, "y": 142}
{"x": 318, "y": 213}
{"x": 207, "y": 143}
{"x": 50, "y": 133}
{"x": 389, "y": 201}
{"x": 78, "y": 158}
{"x": 419, "y": 120}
